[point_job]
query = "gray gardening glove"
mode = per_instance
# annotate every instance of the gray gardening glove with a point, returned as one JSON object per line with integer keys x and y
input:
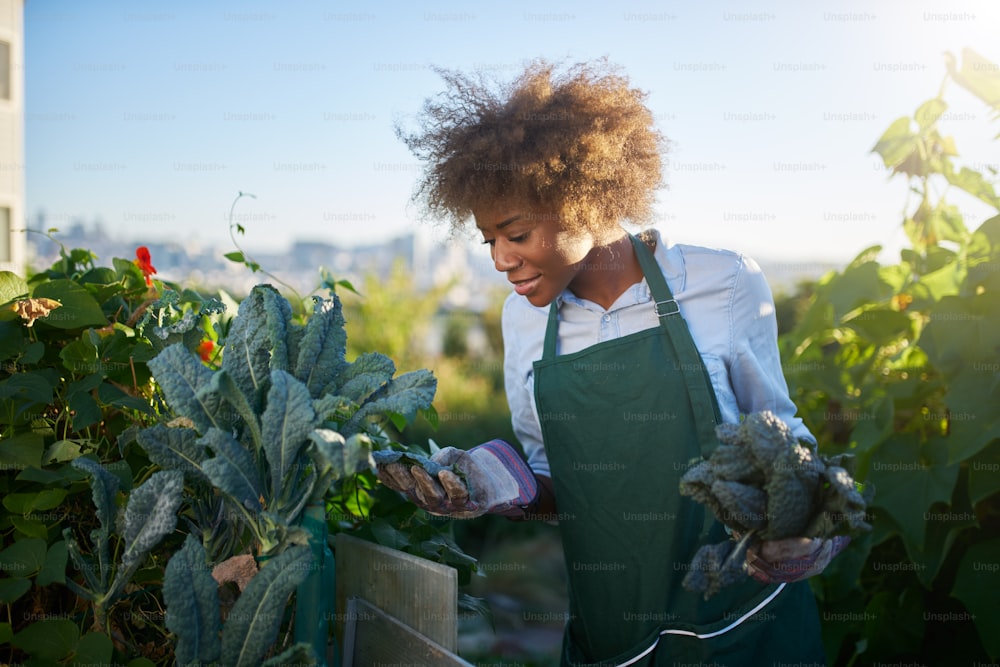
{"x": 491, "y": 478}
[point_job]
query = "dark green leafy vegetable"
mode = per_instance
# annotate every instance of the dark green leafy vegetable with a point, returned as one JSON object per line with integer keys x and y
{"x": 765, "y": 485}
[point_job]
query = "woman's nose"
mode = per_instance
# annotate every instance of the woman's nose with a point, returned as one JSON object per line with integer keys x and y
{"x": 504, "y": 257}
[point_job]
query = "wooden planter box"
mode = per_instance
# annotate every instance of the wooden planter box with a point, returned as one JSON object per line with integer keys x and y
{"x": 393, "y": 607}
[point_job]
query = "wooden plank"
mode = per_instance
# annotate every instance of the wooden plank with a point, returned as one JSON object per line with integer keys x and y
{"x": 419, "y": 593}
{"x": 376, "y": 638}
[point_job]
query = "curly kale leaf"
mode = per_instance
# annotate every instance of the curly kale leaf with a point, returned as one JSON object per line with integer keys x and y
{"x": 404, "y": 396}
{"x": 322, "y": 349}
{"x": 716, "y": 566}
{"x": 258, "y": 342}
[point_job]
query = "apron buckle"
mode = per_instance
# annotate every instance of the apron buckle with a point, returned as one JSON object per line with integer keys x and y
{"x": 674, "y": 311}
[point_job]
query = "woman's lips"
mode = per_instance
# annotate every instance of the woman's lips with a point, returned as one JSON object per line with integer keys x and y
{"x": 522, "y": 287}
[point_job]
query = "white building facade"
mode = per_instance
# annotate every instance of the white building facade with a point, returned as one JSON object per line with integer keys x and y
{"x": 12, "y": 214}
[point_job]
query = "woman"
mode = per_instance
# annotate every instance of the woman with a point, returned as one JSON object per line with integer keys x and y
{"x": 621, "y": 356}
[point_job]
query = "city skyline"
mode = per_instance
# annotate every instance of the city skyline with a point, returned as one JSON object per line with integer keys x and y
{"x": 432, "y": 261}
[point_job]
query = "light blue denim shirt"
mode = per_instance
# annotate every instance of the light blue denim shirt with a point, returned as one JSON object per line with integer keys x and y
{"x": 727, "y": 304}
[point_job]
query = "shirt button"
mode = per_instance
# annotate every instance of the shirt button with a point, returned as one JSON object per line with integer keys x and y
{"x": 606, "y": 318}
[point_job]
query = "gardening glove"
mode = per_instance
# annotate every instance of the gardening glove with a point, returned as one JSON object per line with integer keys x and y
{"x": 792, "y": 559}
{"x": 490, "y": 478}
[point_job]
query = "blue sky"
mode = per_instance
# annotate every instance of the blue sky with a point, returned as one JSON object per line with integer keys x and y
{"x": 152, "y": 116}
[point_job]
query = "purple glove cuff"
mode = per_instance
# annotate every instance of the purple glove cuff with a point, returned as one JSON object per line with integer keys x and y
{"x": 795, "y": 569}
{"x": 527, "y": 485}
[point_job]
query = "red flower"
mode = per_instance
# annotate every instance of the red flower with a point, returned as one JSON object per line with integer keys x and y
{"x": 205, "y": 350}
{"x": 142, "y": 260}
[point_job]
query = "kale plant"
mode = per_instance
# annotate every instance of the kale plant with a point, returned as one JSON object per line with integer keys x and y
{"x": 268, "y": 434}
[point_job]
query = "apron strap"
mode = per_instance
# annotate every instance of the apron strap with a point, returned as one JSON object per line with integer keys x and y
{"x": 551, "y": 331}
{"x": 703, "y": 401}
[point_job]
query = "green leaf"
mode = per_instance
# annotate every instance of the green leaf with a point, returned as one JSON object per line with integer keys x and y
{"x": 973, "y": 418}
{"x": 79, "y": 309}
{"x": 432, "y": 417}
{"x": 29, "y": 527}
{"x": 22, "y": 451}
{"x": 984, "y": 473}
{"x": 388, "y": 535}
{"x": 936, "y": 285}
{"x": 928, "y": 113}
{"x": 104, "y": 487}
{"x": 182, "y": 377}
{"x": 257, "y": 341}
{"x": 253, "y": 623}
{"x": 880, "y": 325}
{"x": 94, "y": 648}
{"x": 54, "y": 569}
{"x": 23, "y": 558}
{"x": 151, "y": 514}
{"x": 192, "y": 600}
{"x": 49, "y": 639}
{"x": 287, "y": 422}
{"x": 945, "y": 526}
{"x": 982, "y": 253}
{"x": 224, "y": 385}
{"x": 13, "y": 341}
{"x": 80, "y": 356}
{"x": 894, "y": 622}
{"x": 978, "y": 75}
{"x": 140, "y": 662}
{"x": 12, "y": 287}
{"x": 32, "y": 388}
{"x": 909, "y": 478}
{"x": 86, "y": 411}
{"x": 110, "y": 395}
{"x": 405, "y": 395}
{"x": 323, "y": 348}
{"x": 61, "y": 451}
{"x": 332, "y": 408}
{"x": 363, "y": 377}
{"x": 339, "y": 457}
{"x": 13, "y": 588}
{"x": 233, "y": 469}
{"x": 976, "y": 584}
{"x": 961, "y": 332}
{"x": 5, "y": 633}
{"x": 300, "y": 654}
{"x": 858, "y": 285}
{"x": 174, "y": 449}
{"x": 869, "y": 433}
{"x": 30, "y": 501}
{"x": 975, "y": 184}
{"x": 896, "y": 143}
{"x": 235, "y": 257}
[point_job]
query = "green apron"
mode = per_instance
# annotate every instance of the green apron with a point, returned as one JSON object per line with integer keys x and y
{"x": 621, "y": 422}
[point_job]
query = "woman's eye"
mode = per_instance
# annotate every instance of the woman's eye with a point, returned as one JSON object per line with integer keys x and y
{"x": 489, "y": 242}
{"x": 519, "y": 238}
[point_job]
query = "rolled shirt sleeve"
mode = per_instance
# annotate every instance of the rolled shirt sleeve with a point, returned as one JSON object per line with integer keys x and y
{"x": 755, "y": 371}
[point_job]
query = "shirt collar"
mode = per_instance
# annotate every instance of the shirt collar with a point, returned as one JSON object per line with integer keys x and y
{"x": 671, "y": 262}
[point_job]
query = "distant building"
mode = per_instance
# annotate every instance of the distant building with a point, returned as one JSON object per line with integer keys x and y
{"x": 12, "y": 217}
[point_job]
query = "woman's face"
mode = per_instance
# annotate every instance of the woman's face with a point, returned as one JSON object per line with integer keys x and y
{"x": 540, "y": 258}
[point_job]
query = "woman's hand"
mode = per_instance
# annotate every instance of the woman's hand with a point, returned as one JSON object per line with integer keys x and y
{"x": 491, "y": 478}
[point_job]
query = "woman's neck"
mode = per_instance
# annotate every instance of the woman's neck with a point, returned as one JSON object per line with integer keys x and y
{"x": 609, "y": 269}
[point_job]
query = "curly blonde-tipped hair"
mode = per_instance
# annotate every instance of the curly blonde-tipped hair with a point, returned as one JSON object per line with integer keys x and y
{"x": 580, "y": 143}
